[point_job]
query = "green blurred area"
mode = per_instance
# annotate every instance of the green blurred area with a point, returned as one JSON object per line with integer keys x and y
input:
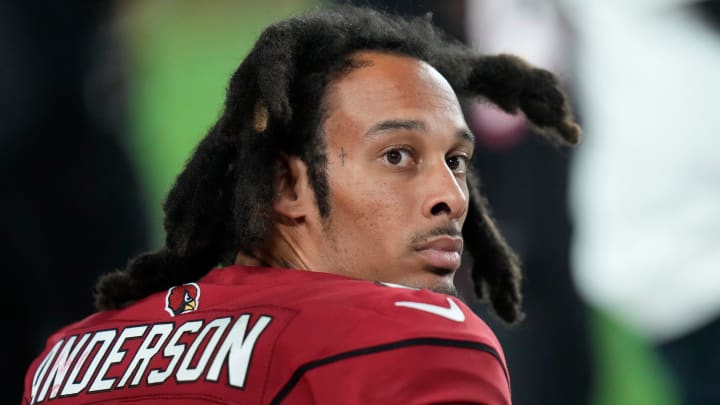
{"x": 629, "y": 373}
{"x": 182, "y": 55}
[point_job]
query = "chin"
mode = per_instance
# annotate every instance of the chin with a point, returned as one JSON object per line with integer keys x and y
{"x": 448, "y": 289}
{"x": 434, "y": 279}
{"x": 443, "y": 281}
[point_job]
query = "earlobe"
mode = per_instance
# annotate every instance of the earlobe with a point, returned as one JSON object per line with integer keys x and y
{"x": 293, "y": 193}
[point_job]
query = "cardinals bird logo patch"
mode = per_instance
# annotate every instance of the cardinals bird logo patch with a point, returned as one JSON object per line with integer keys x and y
{"x": 182, "y": 299}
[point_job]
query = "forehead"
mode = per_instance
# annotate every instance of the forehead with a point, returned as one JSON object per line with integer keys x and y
{"x": 392, "y": 86}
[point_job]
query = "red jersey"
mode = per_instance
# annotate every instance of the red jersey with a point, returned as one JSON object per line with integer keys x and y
{"x": 250, "y": 335}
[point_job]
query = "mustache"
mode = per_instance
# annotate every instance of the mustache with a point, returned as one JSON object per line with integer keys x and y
{"x": 447, "y": 230}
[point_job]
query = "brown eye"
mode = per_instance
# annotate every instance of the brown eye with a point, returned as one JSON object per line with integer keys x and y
{"x": 457, "y": 164}
{"x": 398, "y": 157}
{"x": 393, "y": 157}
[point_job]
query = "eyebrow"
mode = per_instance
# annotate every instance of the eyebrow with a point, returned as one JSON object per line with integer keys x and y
{"x": 412, "y": 125}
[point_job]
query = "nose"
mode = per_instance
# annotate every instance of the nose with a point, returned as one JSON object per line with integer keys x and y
{"x": 445, "y": 194}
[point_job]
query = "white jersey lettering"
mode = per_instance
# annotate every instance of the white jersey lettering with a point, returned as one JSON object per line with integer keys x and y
{"x": 63, "y": 362}
{"x": 104, "y": 339}
{"x": 237, "y": 349}
{"x": 108, "y": 359}
{"x": 145, "y": 353}
{"x": 174, "y": 350}
{"x": 116, "y": 356}
{"x": 42, "y": 369}
{"x": 185, "y": 372}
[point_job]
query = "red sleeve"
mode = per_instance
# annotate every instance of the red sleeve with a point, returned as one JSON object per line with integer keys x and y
{"x": 413, "y": 372}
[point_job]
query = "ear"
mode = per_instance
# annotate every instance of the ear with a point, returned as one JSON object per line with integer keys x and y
{"x": 293, "y": 193}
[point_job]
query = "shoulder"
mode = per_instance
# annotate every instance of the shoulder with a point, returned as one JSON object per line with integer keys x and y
{"x": 359, "y": 309}
{"x": 328, "y": 313}
{"x": 393, "y": 345}
{"x": 355, "y": 314}
{"x": 337, "y": 303}
{"x": 401, "y": 309}
{"x": 425, "y": 308}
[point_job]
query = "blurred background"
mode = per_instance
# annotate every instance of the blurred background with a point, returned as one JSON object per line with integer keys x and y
{"x": 102, "y": 103}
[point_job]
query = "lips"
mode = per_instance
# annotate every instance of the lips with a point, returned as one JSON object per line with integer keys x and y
{"x": 442, "y": 252}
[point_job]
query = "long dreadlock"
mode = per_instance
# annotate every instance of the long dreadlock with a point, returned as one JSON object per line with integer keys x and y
{"x": 221, "y": 202}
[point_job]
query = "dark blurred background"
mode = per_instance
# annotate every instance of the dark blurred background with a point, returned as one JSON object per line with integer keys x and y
{"x": 72, "y": 205}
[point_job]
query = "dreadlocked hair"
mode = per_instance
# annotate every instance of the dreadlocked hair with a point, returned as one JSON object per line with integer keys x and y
{"x": 221, "y": 202}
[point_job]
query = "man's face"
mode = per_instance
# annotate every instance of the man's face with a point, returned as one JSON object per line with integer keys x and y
{"x": 398, "y": 149}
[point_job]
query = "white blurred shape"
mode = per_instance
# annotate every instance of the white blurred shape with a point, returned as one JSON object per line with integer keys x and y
{"x": 645, "y": 186}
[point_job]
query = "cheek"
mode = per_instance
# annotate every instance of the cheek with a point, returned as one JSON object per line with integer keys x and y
{"x": 369, "y": 210}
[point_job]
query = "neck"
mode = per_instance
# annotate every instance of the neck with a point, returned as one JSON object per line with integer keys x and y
{"x": 281, "y": 250}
